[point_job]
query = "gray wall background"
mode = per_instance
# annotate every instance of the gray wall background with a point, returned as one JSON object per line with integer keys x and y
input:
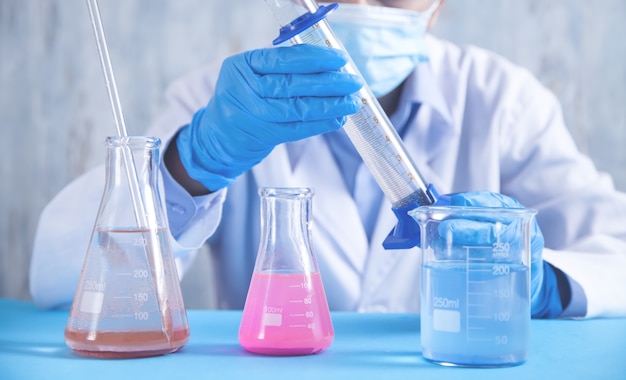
{"x": 54, "y": 110}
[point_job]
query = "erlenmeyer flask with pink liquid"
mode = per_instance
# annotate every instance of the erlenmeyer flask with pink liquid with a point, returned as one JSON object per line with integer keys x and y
{"x": 286, "y": 311}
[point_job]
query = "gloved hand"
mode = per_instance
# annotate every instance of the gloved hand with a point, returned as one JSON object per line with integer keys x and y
{"x": 264, "y": 98}
{"x": 545, "y": 298}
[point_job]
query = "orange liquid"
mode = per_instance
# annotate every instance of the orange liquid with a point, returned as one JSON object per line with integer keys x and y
{"x": 131, "y": 344}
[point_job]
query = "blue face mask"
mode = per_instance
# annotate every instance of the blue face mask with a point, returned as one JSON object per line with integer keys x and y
{"x": 385, "y": 43}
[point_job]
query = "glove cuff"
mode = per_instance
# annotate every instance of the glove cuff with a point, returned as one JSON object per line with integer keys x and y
{"x": 197, "y": 161}
{"x": 546, "y": 301}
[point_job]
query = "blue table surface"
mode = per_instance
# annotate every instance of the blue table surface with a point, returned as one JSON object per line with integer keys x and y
{"x": 366, "y": 346}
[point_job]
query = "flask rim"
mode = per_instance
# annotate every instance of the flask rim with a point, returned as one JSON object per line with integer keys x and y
{"x": 442, "y": 212}
{"x": 150, "y": 142}
{"x": 286, "y": 192}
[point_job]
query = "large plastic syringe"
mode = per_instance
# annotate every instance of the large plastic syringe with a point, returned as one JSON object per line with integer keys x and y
{"x": 370, "y": 130}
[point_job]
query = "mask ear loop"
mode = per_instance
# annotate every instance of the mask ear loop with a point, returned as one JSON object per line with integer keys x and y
{"x": 431, "y": 10}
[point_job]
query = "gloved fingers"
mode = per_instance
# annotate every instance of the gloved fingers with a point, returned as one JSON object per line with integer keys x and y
{"x": 326, "y": 84}
{"x": 478, "y": 232}
{"x": 490, "y": 199}
{"x": 537, "y": 242}
{"x": 286, "y": 132}
{"x": 444, "y": 251}
{"x": 262, "y": 135}
{"x": 301, "y": 109}
{"x": 457, "y": 236}
{"x": 226, "y": 147}
{"x": 484, "y": 199}
{"x": 297, "y": 59}
{"x": 242, "y": 126}
{"x": 241, "y": 82}
{"x": 250, "y": 134}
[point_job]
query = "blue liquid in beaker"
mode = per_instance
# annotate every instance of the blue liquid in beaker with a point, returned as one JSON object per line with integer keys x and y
{"x": 475, "y": 314}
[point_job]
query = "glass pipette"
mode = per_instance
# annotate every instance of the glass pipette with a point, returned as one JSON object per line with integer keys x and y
{"x": 144, "y": 217}
{"x": 369, "y": 130}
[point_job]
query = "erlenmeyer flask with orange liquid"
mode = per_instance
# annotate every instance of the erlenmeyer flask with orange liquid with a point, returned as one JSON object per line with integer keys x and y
{"x": 128, "y": 302}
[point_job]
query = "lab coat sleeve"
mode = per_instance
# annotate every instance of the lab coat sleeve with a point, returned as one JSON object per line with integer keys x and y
{"x": 192, "y": 220}
{"x": 62, "y": 238}
{"x": 66, "y": 223}
{"x": 581, "y": 214}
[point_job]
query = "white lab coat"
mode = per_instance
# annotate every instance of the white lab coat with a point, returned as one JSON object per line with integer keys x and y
{"x": 497, "y": 129}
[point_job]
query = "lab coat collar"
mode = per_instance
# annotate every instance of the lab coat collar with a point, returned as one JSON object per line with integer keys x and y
{"x": 339, "y": 236}
{"x": 428, "y": 136}
{"x": 421, "y": 88}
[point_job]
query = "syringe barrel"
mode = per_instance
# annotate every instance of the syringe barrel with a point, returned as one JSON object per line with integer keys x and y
{"x": 369, "y": 130}
{"x": 286, "y": 11}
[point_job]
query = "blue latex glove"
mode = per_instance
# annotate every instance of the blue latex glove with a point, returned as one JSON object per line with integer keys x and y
{"x": 545, "y": 298}
{"x": 263, "y": 98}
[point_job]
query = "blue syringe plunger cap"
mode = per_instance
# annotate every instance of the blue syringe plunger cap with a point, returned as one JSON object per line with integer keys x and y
{"x": 303, "y": 23}
{"x": 406, "y": 233}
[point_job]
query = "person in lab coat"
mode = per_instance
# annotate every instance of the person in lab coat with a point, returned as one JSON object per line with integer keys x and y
{"x": 476, "y": 125}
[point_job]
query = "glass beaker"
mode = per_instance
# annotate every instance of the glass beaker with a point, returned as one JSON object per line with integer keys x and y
{"x": 475, "y": 290}
{"x": 286, "y": 311}
{"x": 128, "y": 302}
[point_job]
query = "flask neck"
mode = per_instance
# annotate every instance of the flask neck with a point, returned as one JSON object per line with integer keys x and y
{"x": 136, "y": 155}
{"x": 131, "y": 197}
{"x": 285, "y": 230}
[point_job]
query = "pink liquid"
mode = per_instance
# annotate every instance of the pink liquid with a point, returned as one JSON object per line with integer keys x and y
{"x": 286, "y": 314}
